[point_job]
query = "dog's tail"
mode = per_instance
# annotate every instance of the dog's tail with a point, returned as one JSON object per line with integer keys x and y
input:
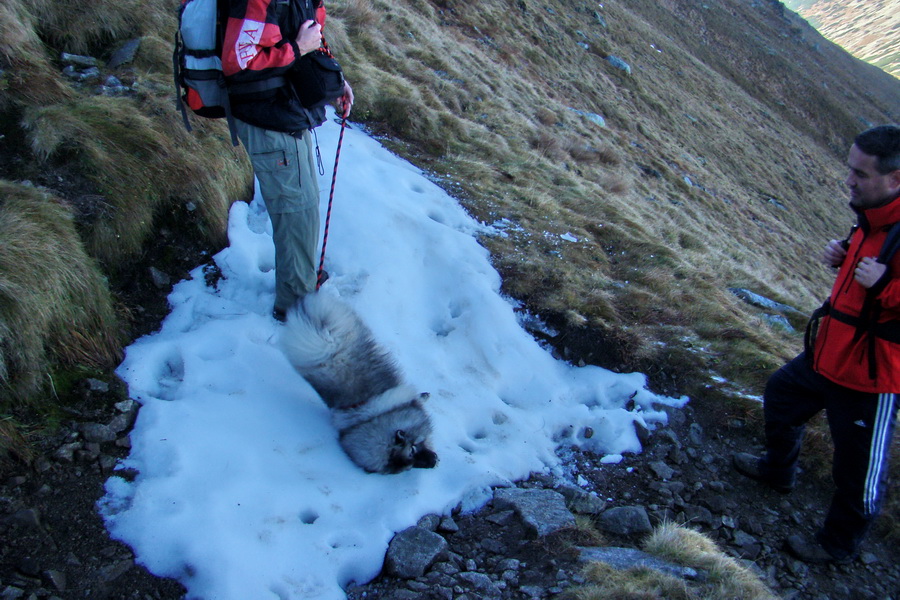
{"x": 316, "y": 329}
{"x": 334, "y": 351}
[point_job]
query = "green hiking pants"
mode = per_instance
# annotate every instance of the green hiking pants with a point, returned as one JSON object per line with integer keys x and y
{"x": 285, "y": 168}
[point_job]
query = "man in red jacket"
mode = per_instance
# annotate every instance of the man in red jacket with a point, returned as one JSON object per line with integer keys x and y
{"x": 264, "y": 41}
{"x": 852, "y": 370}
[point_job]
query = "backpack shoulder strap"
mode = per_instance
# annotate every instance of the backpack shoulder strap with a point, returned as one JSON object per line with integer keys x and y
{"x": 891, "y": 244}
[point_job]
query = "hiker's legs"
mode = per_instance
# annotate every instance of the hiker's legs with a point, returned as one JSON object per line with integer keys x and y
{"x": 793, "y": 395}
{"x": 285, "y": 169}
{"x": 861, "y": 427}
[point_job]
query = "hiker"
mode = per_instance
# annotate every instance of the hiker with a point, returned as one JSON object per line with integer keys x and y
{"x": 851, "y": 368}
{"x": 264, "y": 41}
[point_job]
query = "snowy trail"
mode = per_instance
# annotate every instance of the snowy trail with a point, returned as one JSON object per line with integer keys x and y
{"x": 243, "y": 490}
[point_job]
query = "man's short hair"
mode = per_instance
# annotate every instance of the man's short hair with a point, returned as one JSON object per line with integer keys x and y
{"x": 882, "y": 142}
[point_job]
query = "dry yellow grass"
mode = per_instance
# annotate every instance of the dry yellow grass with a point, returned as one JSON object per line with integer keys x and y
{"x": 127, "y": 161}
{"x": 55, "y": 307}
{"x": 726, "y": 578}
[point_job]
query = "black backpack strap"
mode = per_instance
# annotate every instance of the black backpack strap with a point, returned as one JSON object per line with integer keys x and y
{"x": 177, "y": 61}
{"x": 891, "y": 244}
{"x": 812, "y": 328}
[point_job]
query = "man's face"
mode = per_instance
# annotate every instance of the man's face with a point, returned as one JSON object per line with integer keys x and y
{"x": 868, "y": 187}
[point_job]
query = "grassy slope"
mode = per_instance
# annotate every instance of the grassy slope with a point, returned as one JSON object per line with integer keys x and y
{"x": 748, "y": 104}
{"x": 108, "y": 166}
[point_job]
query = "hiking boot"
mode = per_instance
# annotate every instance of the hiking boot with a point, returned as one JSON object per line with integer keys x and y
{"x": 812, "y": 552}
{"x": 749, "y": 466}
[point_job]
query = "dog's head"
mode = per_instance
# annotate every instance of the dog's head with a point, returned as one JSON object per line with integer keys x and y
{"x": 409, "y": 451}
{"x": 392, "y": 442}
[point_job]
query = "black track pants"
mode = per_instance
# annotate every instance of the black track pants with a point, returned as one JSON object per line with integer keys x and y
{"x": 861, "y": 424}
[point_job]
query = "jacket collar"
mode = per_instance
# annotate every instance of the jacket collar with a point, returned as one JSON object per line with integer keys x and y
{"x": 880, "y": 217}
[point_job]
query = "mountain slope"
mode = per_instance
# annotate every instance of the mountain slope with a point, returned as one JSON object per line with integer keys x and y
{"x": 869, "y": 30}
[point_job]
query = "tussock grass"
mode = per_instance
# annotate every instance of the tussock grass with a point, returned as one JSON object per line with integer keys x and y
{"x": 726, "y": 577}
{"x": 140, "y": 165}
{"x": 90, "y": 27}
{"x": 13, "y": 446}
{"x": 55, "y": 307}
{"x": 28, "y": 76}
{"x": 131, "y": 163}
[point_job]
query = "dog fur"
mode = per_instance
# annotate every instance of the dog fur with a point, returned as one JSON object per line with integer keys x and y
{"x": 383, "y": 426}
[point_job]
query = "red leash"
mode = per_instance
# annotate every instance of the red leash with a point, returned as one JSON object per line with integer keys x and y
{"x": 321, "y": 272}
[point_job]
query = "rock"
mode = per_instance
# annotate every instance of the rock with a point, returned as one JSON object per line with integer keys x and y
{"x": 493, "y": 546}
{"x": 582, "y": 502}
{"x": 27, "y": 518}
{"x": 121, "y": 423}
{"x": 12, "y": 593}
{"x": 90, "y": 73}
{"x": 662, "y": 470}
{"x": 626, "y": 558}
{"x": 78, "y": 60}
{"x": 96, "y": 386}
{"x": 97, "y": 433}
{"x": 716, "y": 504}
{"x": 619, "y": 64}
{"x": 543, "y": 511}
{"x": 591, "y": 116}
{"x": 108, "y": 463}
{"x": 124, "y": 54}
{"x": 112, "y": 572}
{"x": 695, "y": 434}
{"x": 29, "y": 567}
{"x": 501, "y": 518}
{"x": 57, "y": 578}
{"x": 413, "y": 551}
{"x": 481, "y": 584}
{"x": 675, "y": 487}
{"x": 626, "y": 520}
{"x": 159, "y": 279}
{"x": 762, "y": 302}
{"x": 779, "y": 322}
{"x": 127, "y": 406}
{"x": 66, "y": 452}
{"x": 448, "y": 525}
{"x": 867, "y": 558}
{"x": 532, "y": 591}
{"x": 429, "y": 522}
{"x": 698, "y": 514}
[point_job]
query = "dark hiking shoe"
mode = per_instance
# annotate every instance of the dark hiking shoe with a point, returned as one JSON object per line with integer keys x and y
{"x": 812, "y": 552}
{"x": 748, "y": 466}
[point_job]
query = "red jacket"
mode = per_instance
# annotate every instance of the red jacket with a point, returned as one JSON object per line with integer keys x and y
{"x": 260, "y": 46}
{"x": 858, "y": 353}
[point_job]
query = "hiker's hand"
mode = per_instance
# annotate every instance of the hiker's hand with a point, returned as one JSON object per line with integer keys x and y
{"x": 309, "y": 37}
{"x": 868, "y": 272}
{"x": 834, "y": 254}
{"x": 343, "y": 103}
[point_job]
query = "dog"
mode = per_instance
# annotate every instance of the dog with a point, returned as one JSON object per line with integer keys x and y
{"x": 382, "y": 424}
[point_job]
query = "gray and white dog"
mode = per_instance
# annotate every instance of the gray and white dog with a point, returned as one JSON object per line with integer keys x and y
{"x": 383, "y": 426}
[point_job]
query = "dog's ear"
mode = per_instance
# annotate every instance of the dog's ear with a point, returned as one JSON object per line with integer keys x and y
{"x": 425, "y": 458}
{"x": 399, "y": 437}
